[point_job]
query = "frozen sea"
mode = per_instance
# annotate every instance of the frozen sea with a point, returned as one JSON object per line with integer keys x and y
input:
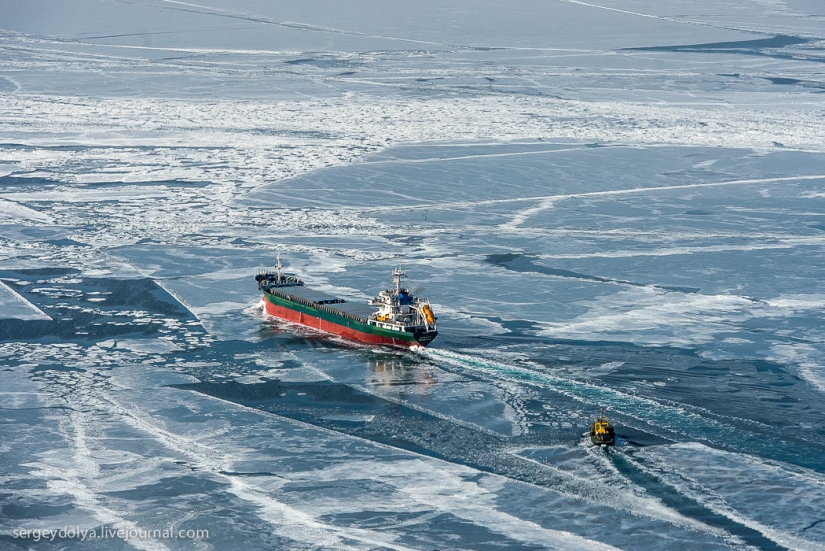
{"x": 610, "y": 203}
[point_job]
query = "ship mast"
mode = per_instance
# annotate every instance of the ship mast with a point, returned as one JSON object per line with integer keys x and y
{"x": 279, "y": 267}
{"x": 397, "y": 274}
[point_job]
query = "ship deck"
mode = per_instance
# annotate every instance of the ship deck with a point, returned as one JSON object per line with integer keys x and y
{"x": 330, "y": 303}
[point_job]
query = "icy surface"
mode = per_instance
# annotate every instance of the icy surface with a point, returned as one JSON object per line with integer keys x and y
{"x": 614, "y": 204}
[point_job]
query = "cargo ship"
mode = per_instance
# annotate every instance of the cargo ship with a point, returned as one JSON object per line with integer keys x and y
{"x": 395, "y": 317}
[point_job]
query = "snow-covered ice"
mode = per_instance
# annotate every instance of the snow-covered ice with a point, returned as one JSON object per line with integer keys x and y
{"x": 609, "y": 203}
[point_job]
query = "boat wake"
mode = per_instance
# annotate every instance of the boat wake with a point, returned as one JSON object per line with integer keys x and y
{"x": 672, "y": 421}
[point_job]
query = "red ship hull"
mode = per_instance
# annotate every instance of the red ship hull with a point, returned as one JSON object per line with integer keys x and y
{"x": 328, "y": 326}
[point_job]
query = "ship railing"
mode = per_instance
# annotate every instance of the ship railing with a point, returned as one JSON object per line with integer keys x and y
{"x": 320, "y": 305}
{"x": 397, "y": 326}
{"x": 266, "y": 276}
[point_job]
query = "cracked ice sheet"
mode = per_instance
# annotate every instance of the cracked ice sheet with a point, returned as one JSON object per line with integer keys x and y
{"x": 142, "y": 461}
{"x": 12, "y": 305}
{"x": 767, "y": 493}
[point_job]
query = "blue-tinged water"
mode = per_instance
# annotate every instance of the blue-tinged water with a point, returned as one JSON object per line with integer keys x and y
{"x": 615, "y": 205}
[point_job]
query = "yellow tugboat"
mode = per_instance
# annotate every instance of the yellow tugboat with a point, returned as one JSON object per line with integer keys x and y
{"x": 601, "y": 431}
